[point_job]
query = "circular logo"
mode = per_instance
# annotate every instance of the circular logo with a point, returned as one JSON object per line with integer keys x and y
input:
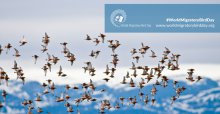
{"x": 118, "y": 17}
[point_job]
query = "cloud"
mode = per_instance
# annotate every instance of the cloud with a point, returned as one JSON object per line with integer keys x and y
{"x": 15, "y": 89}
{"x": 14, "y": 111}
{"x": 76, "y": 75}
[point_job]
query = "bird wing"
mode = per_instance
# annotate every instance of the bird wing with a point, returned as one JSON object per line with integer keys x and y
{"x": 151, "y": 71}
{"x": 15, "y": 64}
{"x": 153, "y": 53}
{"x": 43, "y": 46}
{"x": 90, "y": 66}
{"x": 131, "y": 80}
{"x": 48, "y": 55}
{"x": 23, "y": 39}
{"x": 107, "y": 68}
{"x": 167, "y": 49}
{"x": 60, "y": 68}
{"x": 135, "y": 71}
{"x": 46, "y": 36}
{"x": 133, "y": 65}
{"x": 124, "y": 79}
{"x": 16, "y": 50}
{"x": 142, "y": 44}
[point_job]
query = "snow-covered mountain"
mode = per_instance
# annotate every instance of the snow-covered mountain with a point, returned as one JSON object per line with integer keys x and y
{"x": 202, "y": 97}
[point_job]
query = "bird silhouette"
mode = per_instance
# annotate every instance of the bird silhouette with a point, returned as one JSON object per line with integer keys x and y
{"x": 44, "y": 48}
{"x": 17, "y": 54}
{"x": 46, "y": 39}
{"x": 35, "y": 58}
{"x": 23, "y": 41}
{"x": 153, "y": 55}
{"x": 102, "y": 36}
{"x": 88, "y": 37}
{"x": 8, "y": 47}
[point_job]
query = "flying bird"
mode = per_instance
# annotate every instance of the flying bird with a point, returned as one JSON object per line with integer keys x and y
{"x": 102, "y": 36}
{"x": 198, "y": 78}
{"x": 46, "y": 39}
{"x": 133, "y": 51}
{"x": 8, "y": 47}
{"x": 23, "y": 41}
{"x": 45, "y": 68}
{"x": 153, "y": 55}
{"x": 44, "y": 48}
{"x": 17, "y": 54}
{"x": 96, "y": 41}
{"x": 35, "y": 58}
{"x": 60, "y": 71}
{"x": 88, "y": 37}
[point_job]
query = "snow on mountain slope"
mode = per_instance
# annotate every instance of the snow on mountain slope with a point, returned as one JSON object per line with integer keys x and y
{"x": 203, "y": 97}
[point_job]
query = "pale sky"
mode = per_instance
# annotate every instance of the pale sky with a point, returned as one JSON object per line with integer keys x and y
{"x": 70, "y": 21}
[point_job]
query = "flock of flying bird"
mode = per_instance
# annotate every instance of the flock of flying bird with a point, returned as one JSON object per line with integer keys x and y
{"x": 169, "y": 61}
